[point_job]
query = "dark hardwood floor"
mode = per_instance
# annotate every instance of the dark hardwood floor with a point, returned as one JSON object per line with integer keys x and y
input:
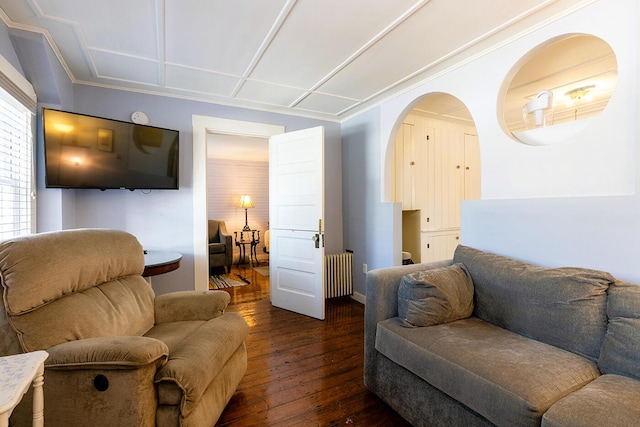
{"x": 301, "y": 371}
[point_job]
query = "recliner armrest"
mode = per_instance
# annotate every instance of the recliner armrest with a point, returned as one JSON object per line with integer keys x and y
{"x": 124, "y": 352}
{"x": 190, "y": 305}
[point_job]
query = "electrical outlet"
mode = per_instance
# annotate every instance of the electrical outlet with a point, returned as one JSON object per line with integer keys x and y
{"x": 364, "y": 268}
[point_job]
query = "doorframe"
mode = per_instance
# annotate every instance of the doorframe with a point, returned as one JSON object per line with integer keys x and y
{"x": 201, "y": 126}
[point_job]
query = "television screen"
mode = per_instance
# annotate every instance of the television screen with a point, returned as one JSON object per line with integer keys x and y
{"x": 90, "y": 152}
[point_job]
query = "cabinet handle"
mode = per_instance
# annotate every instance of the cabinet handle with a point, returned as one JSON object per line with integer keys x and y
{"x": 458, "y": 167}
{"x": 413, "y": 163}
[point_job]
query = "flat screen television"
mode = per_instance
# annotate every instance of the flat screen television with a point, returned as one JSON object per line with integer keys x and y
{"x": 90, "y": 152}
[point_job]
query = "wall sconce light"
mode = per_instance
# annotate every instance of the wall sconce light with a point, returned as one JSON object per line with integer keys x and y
{"x": 245, "y": 203}
{"x": 539, "y": 111}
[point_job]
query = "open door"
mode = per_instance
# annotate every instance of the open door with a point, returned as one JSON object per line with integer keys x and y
{"x": 296, "y": 221}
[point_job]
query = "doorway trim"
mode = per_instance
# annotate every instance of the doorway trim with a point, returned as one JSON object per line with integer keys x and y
{"x": 201, "y": 126}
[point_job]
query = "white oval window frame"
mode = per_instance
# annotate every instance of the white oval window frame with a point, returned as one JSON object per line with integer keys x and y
{"x": 564, "y": 97}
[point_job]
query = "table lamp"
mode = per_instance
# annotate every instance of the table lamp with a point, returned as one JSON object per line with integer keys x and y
{"x": 245, "y": 202}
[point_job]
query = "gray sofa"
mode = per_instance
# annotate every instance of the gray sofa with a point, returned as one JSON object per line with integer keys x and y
{"x": 529, "y": 346}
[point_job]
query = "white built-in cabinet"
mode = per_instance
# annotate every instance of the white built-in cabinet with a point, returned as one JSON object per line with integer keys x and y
{"x": 437, "y": 165}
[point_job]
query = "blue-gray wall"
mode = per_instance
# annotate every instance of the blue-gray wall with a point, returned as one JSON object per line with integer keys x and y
{"x": 7, "y": 50}
{"x": 367, "y": 220}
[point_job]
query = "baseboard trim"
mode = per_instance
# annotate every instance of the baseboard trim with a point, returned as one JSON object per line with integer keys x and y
{"x": 359, "y": 297}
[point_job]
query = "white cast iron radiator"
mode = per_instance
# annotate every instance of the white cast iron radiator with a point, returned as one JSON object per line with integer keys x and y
{"x": 338, "y": 275}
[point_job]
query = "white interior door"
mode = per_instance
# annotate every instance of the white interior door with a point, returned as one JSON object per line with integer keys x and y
{"x": 296, "y": 221}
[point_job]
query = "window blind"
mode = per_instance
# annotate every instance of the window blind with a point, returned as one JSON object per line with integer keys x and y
{"x": 17, "y": 195}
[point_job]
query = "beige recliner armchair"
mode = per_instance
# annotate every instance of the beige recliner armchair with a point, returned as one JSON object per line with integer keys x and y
{"x": 220, "y": 246}
{"x": 119, "y": 356}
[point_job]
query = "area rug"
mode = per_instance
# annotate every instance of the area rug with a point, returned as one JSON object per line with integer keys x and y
{"x": 221, "y": 282}
{"x": 263, "y": 271}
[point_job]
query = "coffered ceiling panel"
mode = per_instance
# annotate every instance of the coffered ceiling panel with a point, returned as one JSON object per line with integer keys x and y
{"x": 199, "y": 81}
{"x": 318, "y": 102}
{"x": 123, "y": 26}
{"x": 319, "y": 36}
{"x": 327, "y": 59}
{"x": 138, "y": 69}
{"x": 269, "y": 93}
{"x": 220, "y": 36}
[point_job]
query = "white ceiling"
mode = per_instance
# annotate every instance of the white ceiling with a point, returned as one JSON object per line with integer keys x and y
{"x": 327, "y": 59}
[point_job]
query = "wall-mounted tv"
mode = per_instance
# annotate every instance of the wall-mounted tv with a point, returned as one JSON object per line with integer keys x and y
{"x": 90, "y": 152}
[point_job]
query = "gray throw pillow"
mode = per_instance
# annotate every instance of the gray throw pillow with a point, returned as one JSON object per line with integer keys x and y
{"x": 435, "y": 296}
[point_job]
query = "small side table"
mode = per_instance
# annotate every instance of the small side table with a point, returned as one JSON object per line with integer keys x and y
{"x": 251, "y": 238}
{"x": 17, "y": 372}
{"x": 159, "y": 262}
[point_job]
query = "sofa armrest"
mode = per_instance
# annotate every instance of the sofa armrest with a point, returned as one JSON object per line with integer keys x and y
{"x": 125, "y": 352}
{"x": 382, "y": 303}
{"x": 190, "y": 305}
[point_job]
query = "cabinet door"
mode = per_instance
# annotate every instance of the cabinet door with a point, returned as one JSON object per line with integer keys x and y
{"x": 430, "y": 188}
{"x": 438, "y": 246}
{"x": 419, "y": 139}
{"x": 471, "y": 167}
{"x": 445, "y": 187}
{"x": 404, "y": 170}
{"x": 455, "y": 194}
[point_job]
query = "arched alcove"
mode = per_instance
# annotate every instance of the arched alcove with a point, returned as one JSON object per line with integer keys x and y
{"x": 434, "y": 164}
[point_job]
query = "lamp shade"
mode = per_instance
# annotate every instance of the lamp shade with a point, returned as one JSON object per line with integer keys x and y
{"x": 245, "y": 201}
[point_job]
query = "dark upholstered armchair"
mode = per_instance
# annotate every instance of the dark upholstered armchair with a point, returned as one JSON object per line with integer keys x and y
{"x": 220, "y": 246}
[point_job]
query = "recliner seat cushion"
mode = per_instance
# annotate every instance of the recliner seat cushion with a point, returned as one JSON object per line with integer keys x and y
{"x": 564, "y": 307}
{"x": 507, "y": 378}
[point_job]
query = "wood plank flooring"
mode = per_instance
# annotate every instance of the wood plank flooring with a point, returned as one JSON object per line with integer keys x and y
{"x": 301, "y": 371}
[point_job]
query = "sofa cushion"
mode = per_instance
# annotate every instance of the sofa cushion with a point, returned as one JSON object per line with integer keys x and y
{"x": 564, "y": 307}
{"x": 621, "y": 347}
{"x": 507, "y": 378}
{"x": 435, "y": 296}
{"x": 610, "y": 400}
{"x": 217, "y": 248}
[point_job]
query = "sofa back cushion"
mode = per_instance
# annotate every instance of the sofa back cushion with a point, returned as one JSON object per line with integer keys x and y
{"x": 74, "y": 284}
{"x": 621, "y": 347}
{"x": 563, "y": 307}
{"x": 214, "y": 233}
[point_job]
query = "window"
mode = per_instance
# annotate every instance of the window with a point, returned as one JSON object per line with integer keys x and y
{"x": 17, "y": 187}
